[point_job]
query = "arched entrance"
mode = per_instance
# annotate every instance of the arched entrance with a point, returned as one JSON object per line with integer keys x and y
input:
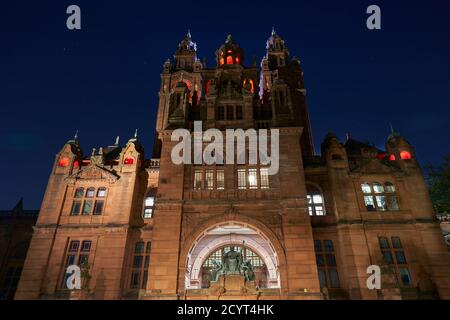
{"x": 253, "y": 244}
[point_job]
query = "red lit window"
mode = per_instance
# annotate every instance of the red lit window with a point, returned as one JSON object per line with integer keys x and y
{"x": 251, "y": 83}
{"x": 381, "y": 156}
{"x": 76, "y": 164}
{"x": 405, "y": 155}
{"x": 128, "y": 161}
{"x": 63, "y": 162}
{"x": 392, "y": 157}
{"x": 238, "y": 60}
{"x": 229, "y": 60}
{"x": 229, "y": 51}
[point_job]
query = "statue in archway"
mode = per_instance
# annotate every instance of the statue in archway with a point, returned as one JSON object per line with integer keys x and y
{"x": 247, "y": 270}
{"x": 232, "y": 261}
{"x": 216, "y": 271}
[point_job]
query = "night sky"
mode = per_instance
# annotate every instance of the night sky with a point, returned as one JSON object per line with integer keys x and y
{"x": 104, "y": 79}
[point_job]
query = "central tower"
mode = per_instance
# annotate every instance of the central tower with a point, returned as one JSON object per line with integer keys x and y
{"x": 203, "y": 211}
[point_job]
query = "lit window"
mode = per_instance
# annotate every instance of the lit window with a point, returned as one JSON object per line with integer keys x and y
{"x": 264, "y": 173}
{"x": 242, "y": 181}
{"x": 229, "y": 60}
{"x": 315, "y": 201}
{"x": 209, "y": 179}
{"x": 90, "y": 193}
{"x": 392, "y": 157}
{"x": 128, "y": 161}
{"x": 220, "y": 179}
{"x": 252, "y": 178}
{"x": 379, "y": 197}
{"x": 222, "y": 61}
{"x": 76, "y": 164}
{"x": 149, "y": 206}
{"x": 378, "y": 188}
{"x": 101, "y": 193}
{"x": 64, "y": 162}
{"x": 405, "y": 155}
{"x": 366, "y": 188}
{"x": 198, "y": 180}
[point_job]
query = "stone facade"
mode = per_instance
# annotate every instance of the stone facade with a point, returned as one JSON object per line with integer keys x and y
{"x": 146, "y": 227}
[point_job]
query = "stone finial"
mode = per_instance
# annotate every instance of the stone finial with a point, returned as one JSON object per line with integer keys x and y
{"x": 273, "y": 31}
{"x": 117, "y": 141}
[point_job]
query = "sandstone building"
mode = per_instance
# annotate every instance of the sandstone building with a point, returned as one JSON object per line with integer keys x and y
{"x": 147, "y": 228}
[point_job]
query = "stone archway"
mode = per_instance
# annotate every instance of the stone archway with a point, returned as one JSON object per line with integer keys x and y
{"x": 227, "y": 233}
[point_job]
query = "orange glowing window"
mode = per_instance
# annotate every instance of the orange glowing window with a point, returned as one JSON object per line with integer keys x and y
{"x": 64, "y": 162}
{"x": 238, "y": 60}
{"x": 221, "y": 61}
{"x": 405, "y": 155}
{"x": 392, "y": 157}
{"x": 229, "y": 60}
{"x": 128, "y": 161}
{"x": 251, "y": 84}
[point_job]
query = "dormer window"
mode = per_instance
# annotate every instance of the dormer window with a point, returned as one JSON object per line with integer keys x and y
{"x": 128, "y": 161}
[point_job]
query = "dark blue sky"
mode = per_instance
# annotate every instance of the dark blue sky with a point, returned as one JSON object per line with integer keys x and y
{"x": 104, "y": 79}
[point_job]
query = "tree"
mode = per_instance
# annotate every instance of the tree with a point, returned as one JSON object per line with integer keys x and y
{"x": 438, "y": 180}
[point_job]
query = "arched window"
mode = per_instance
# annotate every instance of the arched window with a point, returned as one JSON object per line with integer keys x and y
{"x": 90, "y": 193}
{"x": 229, "y": 60}
{"x": 316, "y": 205}
{"x": 79, "y": 193}
{"x": 392, "y": 157}
{"x": 379, "y": 197}
{"x": 101, "y": 193}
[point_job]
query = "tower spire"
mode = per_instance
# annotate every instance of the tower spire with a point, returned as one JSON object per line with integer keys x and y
{"x": 273, "y": 31}
{"x": 75, "y": 137}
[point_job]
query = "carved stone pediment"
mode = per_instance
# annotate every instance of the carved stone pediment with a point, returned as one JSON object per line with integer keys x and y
{"x": 375, "y": 166}
{"x": 94, "y": 172}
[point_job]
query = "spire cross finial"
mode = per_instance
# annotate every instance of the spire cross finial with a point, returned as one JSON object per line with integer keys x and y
{"x": 136, "y": 134}
{"x": 75, "y": 137}
{"x": 392, "y": 128}
{"x": 189, "y": 34}
{"x": 273, "y": 31}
